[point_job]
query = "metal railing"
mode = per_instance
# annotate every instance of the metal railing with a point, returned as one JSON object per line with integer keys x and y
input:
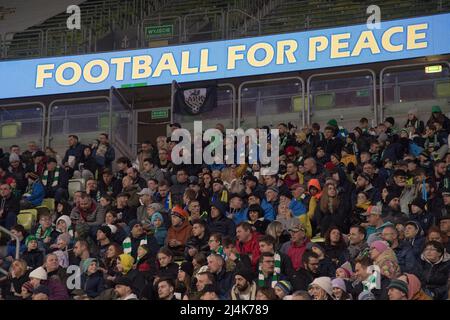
{"x": 14, "y": 237}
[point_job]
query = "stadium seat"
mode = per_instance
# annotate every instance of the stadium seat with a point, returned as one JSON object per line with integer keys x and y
{"x": 324, "y": 100}
{"x": 10, "y": 129}
{"x": 48, "y": 203}
{"x": 103, "y": 121}
{"x": 26, "y": 219}
{"x": 74, "y": 186}
{"x": 442, "y": 89}
{"x": 298, "y": 103}
{"x": 34, "y": 212}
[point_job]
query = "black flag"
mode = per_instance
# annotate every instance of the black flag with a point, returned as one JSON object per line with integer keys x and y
{"x": 195, "y": 101}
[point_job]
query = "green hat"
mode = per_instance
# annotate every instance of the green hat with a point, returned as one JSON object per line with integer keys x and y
{"x": 435, "y": 109}
{"x": 399, "y": 285}
{"x": 332, "y": 122}
{"x": 30, "y": 238}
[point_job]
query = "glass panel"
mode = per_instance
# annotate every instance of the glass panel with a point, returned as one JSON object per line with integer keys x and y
{"x": 346, "y": 98}
{"x": 270, "y": 103}
{"x": 121, "y": 121}
{"x": 81, "y": 118}
{"x": 223, "y": 113}
{"x": 414, "y": 88}
{"x": 19, "y": 125}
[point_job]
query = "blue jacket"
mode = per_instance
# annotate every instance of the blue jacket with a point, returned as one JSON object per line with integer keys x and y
{"x": 76, "y": 151}
{"x": 11, "y": 248}
{"x": 37, "y": 193}
{"x": 93, "y": 284}
{"x": 269, "y": 212}
{"x": 160, "y": 235}
{"x": 406, "y": 259}
{"x": 107, "y": 160}
{"x": 240, "y": 216}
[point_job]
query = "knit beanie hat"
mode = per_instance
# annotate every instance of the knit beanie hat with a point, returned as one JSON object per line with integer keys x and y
{"x": 179, "y": 212}
{"x": 366, "y": 295}
{"x": 324, "y": 283}
{"x": 332, "y": 122}
{"x": 399, "y": 285}
{"x": 106, "y": 230}
{"x": 285, "y": 286}
{"x": 347, "y": 267}
{"x": 380, "y": 245}
{"x": 435, "y": 109}
{"x": 187, "y": 267}
{"x": 39, "y": 273}
{"x": 339, "y": 283}
{"x": 30, "y": 238}
{"x": 245, "y": 273}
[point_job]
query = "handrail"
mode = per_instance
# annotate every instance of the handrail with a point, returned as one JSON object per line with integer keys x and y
{"x": 227, "y": 23}
{"x": 3, "y": 229}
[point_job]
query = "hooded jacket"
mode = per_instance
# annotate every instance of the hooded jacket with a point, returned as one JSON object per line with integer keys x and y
{"x": 406, "y": 259}
{"x": 221, "y": 224}
{"x": 435, "y": 276}
{"x": 180, "y": 233}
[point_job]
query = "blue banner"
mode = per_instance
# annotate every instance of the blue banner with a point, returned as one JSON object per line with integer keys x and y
{"x": 397, "y": 39}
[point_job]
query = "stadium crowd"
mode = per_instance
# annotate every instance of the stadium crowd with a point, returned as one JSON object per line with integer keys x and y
{"x": 359, "y": 214}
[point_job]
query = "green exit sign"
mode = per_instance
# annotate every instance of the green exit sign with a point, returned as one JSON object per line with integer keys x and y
{"x": 160, "y": 114}
{"x": 158, "y": 31}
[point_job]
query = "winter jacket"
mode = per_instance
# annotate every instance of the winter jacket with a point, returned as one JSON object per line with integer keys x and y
{"x": 224, "y": 282}
{"x": 407, "y": 262}
{"x": 387, "y": 261}
{"x": 269, "y": 212}
{"x": 34, "y": 258}
{"x": 58, "y": 290}
{"x": 104, "y": 158}
{"x": 338, "y": 255}
{"x": 295, "y": 252}
{"x": 160, "y": 234}
{"x": 417, "y": 245}
{"x": 302, "y": 278}
{"x": 132, "y": 190}
{"x": 75, "y": 151}
{"x": 250, "y": 248}
{"x": 37, "y": 193}
{"x": 92, "y": 217}
{"x": 221, "y": 224}
{"x": 11, "y": 207}
{"x": 327, "y": 268}
{"x": 435, "y": 277}
{"x": 93, "y": 284}
{"x": 339, "y": 218}
{"x": 170, "y": 271}
{"x": 180, "y": 233}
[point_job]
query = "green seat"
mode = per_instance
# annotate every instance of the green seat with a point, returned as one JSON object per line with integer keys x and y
{"x": 442, "y": 89}
{"x": 33, "y": 212}
{"x": 324, "y": 100}
{"x": 10, "y": 129}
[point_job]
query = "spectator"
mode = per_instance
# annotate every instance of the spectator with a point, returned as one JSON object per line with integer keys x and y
{"x": 87, "y": 212}
{"x": 35, "y": 192}
{"x": 321, "y": 289}
{"x": 32, "y": 256}
{"x": 223, "y": 279}
{"x": 87, "y": 166}
{"x": 435, "y": 267}
{"x": 151, "y": 171}
{"x": 217, "y": 221}
{"x": 384, "y": 257}
{"x": 9, "y": 206}
{"x": 73, "y": 154}
{"x": 244, "y": 287}
{"x": 124, "y": 289}
{"x": 415, "y": 291}
{"x": 103, "y": 153}
{"x": 295, "y": 248}
{"x": 179, "y": 232}
{"x": 247, "y": 242}
{"x": 108, "y": 184}
{"x": 357, "y": 243}
{"x": 55, "y": 181}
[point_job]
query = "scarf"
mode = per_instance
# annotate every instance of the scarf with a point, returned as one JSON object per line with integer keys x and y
{"x": 46, "y": 234}
{"x": 55, "y": 177}
{"x": 275, "y": 275}
{"x": 127, "y": 244}
{"x": 220, "y": 252}
{"x": 168, "y": 202}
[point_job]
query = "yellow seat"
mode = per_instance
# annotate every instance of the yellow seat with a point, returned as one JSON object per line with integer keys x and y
{"x": 26, "y": 220}
{"x": 442, "y": 89}
{"x": 10, "y": 130}
{"x": 324, "y": 100}
{"x": 33, "y": 212}
{"x": 74, "y": 186}
{"x": 318, "y": 239}
{"x": 48, "y": 203}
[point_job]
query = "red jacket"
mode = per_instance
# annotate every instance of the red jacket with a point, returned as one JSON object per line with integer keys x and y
{"x": 295, "y": 252}
{"x": 250, "y": 248}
